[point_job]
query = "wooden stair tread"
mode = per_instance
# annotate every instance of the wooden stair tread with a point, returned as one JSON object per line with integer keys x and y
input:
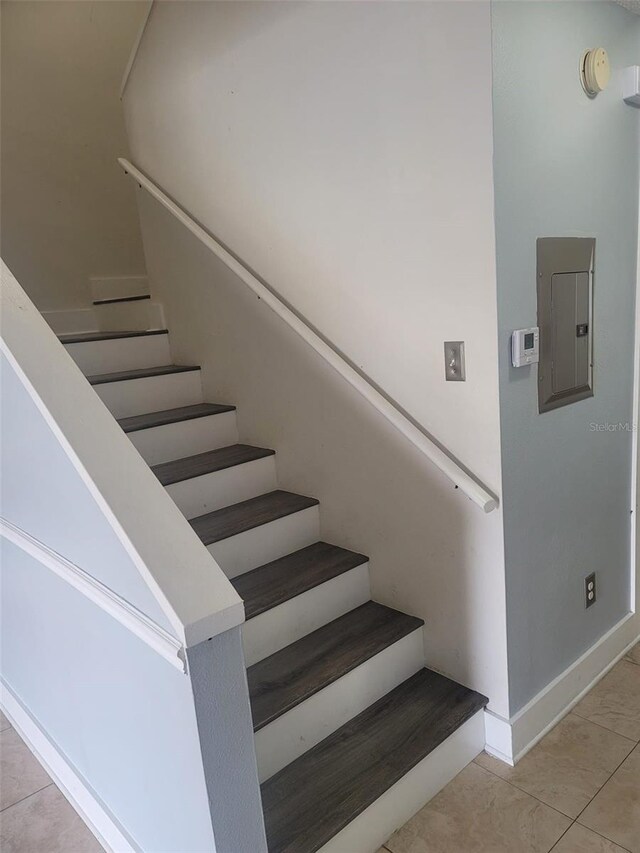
{"x": 208, "y": 462}
{"x": 234, "y": 519}
{"x": 283, "y": 579}
{"x": 122, "y": 299}
{"x": 313, "y": 798}
{"x": 140, "y": 373}
{"x": 172, "y": 416}
{"x": 288, "y": 677}
{"x": 89, "y": 337}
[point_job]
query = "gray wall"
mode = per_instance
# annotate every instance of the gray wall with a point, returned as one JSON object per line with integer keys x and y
{"x": 119, "y": 714}
{"x": 42, "y": 493}
{"x": 164, "y": 753}
{"x": 564, "y": 165}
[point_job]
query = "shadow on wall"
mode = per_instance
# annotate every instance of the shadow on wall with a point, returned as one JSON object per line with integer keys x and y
{"x": 433, "y": 552}
{"x": 65, "y": 213}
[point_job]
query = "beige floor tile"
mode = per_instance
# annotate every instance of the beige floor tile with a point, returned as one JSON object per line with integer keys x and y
{"x": 45, "y": 823}
{"x": 615, "y": 811}
{"x": 568, "y": 767}
{"x": 4, "y": 723}
{"x": 20, "y": 773}
{"x": 579, "y": 839}
{"x": 634, "y": 654}
{"x": 479, "y": 813}
{"x": 615, "y": 702}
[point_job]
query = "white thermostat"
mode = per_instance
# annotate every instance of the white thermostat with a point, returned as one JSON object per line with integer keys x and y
{"x": 525, "y": 347}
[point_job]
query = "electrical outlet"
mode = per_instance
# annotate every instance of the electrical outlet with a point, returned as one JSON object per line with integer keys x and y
{"x": 590, "y": 589}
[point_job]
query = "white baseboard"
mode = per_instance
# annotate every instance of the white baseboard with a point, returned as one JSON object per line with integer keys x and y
{"x": 509, "y": 740}
{"x": 79, "y": 794}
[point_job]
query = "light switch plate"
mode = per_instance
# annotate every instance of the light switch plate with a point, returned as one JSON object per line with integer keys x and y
{"x": 454, "y": 369}
{"x": 631, "y": 85}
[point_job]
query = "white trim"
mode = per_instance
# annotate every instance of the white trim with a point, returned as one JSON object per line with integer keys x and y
{"x": 134, "y": 51}
{"x": 442, "y": 460}
{"x": 509, "y": 740}
{"x": 106, "y": 599}
{"x": 86, "y": 803}
{"x": 635, "y": 451}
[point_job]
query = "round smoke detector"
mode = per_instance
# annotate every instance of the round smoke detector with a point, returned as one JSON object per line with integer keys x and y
{"x": 595, "y": 71}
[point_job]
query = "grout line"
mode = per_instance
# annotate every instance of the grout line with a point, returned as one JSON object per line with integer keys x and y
{"x": 596, "y": 794}
{"x": 574, "y": 819}
{"x": 600, "y": 835}
{"x": 522, "y": 791}
{"x": 562, "y": 836}
{"x": 611, "y": 731}
{"x": 606, "y": 728}
{"x": 22, "y": 799}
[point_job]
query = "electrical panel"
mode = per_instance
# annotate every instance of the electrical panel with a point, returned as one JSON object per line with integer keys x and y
{"x": 565, "y": 319}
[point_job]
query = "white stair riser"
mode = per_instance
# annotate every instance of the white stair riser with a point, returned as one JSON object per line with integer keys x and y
{"x": 185, "y": 438}
{"x": 209, "y": 492}
{"x": 367, "y": 832}
{"x": 130, "y": 316}
{"x": 298, "y": 730}
{"x": 282, "y": 625}
{"x": 72, "y": 321}
{"x": 252, "y": 548}
{"x": 151, "y": 393}
{"x": 118, "y": 287}
{"x": 120, "y": 354}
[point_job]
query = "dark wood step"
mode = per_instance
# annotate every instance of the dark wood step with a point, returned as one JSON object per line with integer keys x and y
{"x": 278, "y": 581}
{"x": 140, "y": 373}
{"x": 90, "y": 337}
{"x": 234, "y": 519}
{"x": 288, "y": 677}
{"x": 122, "y": 299}
{"x": 208, "y": 462}
{"x": 312, "y": 799}
{"x": 172, "y": 416}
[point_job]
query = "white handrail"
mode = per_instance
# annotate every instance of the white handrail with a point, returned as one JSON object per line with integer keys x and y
{"x": 449, "y": 466}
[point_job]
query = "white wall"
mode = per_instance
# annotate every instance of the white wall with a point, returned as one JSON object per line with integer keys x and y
{"x": 433, "y": 553}
{"x": 335, "y": 149}
{"x": 343, "y": 151}
{"x": 67, "y": 213}
{"x": 565, "y": 165}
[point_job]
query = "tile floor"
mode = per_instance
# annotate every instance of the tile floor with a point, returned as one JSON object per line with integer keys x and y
{"x": 577, "y": 791}
{"x": 34, "y": 815}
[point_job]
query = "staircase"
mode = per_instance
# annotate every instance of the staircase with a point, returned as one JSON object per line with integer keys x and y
{"x": 343, "y": 708}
